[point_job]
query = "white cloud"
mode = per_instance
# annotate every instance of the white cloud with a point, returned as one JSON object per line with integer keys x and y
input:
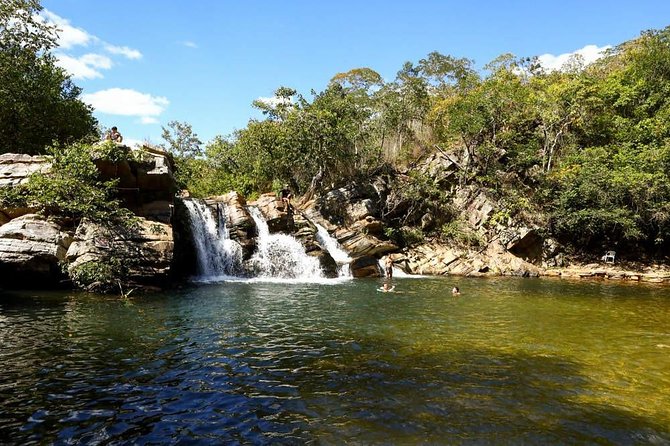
{"x": 68, "y": 35}
{"x": 130, "y": 53}
{"x": 97, "y": 60}
{"x": 76, "y": 67}
{"x": 89, "y": 65}
{"x": 189, "y": 44}
{"x": 588, "y": 54}
{"x": 127, "y": 102}
{"x": 84, "y": 67}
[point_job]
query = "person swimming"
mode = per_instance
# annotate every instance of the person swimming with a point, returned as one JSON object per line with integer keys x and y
{"x": 386, "y": 288}
{"x": 455, "y": 291}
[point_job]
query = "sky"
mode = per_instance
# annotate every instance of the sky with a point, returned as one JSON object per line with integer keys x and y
{"x": 144, "y": 63}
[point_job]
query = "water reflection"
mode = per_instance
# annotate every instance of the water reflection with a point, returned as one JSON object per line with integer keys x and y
{"x": 509, "y": 361}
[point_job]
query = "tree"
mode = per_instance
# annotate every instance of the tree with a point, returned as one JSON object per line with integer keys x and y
{"x": 183, "y": 143}
{"x": 39, "y": 104}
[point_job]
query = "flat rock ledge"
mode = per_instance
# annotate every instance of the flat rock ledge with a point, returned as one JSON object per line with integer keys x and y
{"x": 650, "y": 274}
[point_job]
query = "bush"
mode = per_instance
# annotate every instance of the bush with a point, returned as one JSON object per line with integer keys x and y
{"x": 71, "y": 187}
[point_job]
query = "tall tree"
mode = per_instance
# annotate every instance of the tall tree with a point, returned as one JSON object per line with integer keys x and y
{"x": 183, "y": 143}
{"x": 39, "y": 104}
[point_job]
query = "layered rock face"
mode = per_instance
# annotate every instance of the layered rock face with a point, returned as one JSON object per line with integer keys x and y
{"x": 33, "y": 251}
{"x": 147, "y": 188}
{"x": 352, "y": 215}
{"x": 161, "y": 244}
{"x": 144, "y": 251}
{"x": 15, "y": 168}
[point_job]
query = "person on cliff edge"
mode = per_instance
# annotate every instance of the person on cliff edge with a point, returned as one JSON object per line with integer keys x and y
{"x": 114, "y": 135}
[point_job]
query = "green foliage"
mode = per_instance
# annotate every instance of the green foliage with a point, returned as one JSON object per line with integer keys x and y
{"x": 99, "y": 275}
{"x": 405, "y": 236}
{"x": 414, "y": 196}
{"x": 411, "y": 236}
{"x": 460, "y": 233}
{"x": 185, "y": 146}
{"x": 70, "y": 188}
{"x": 39, "y": 104}
{"x": 111, "y": 151}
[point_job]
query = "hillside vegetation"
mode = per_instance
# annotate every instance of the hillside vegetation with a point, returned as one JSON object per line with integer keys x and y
{"x": 583, "y": 152}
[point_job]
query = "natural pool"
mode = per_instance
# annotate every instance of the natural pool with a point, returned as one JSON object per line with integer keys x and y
{"x": 532, "y": 361}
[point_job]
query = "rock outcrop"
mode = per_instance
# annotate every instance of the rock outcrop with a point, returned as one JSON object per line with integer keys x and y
{"x": 33, "y": 249}
{"x": 352, "y": 215}
{"x": 143, "y": 251}
{"x": 31, "y": 252}
{"x": 146, "y": 186}
{"x": 240, "y": 225}
{"x": 15, "y": 168}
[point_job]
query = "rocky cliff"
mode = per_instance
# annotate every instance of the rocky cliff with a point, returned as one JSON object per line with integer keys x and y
{"x": 36, "y": 251}
{"x": 39, "y": 252}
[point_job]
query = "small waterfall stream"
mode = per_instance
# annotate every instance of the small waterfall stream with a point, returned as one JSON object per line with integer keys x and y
{"x": 335, "y": 250}
{"x": 218, "y": 255}
{"x": 280, "y": 256}
{"x": 277, "y": 256}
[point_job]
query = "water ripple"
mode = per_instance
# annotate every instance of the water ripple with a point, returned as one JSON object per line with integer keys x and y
{"x": 263, "y": 363}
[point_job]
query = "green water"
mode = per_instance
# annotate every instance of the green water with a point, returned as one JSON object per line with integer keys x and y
{"x": 510, "y": 361}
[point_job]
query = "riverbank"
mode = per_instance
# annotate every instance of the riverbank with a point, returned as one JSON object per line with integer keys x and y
{"x": 625, "y": 271}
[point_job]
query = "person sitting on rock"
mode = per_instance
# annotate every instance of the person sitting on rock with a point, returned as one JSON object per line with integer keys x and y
{"x": 114, "y": 135}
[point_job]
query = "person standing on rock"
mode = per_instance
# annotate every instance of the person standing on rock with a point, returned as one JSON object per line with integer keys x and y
{"x": 286, "y": 195}
{"x": 388, "y": 266}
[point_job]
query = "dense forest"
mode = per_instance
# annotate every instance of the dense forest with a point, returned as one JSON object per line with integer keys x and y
{"x": 583, "y": 152}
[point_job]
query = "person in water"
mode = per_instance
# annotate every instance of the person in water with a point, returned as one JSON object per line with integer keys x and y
{"x": 387, "y": 288}
{"x": 455, "y": 291}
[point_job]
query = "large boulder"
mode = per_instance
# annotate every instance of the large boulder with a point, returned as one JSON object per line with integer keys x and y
{"x": 347, "y": 205}
{"x": 31, "y": 249}
{"x": 365, "y": 266}
{"x": 441, "y": 168}
{"x": 15, "y": 169}
{"x": 278, "y": 218}
{"x": 143, "y": 252}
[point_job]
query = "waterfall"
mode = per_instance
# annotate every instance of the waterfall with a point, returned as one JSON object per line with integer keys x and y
{"x": 280, "y": 256}
{"x": 340, "y": 256}
{"x": 217, "y": 254}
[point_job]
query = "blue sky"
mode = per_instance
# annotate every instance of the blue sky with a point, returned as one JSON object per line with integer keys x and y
{"x": 144, "y": 63}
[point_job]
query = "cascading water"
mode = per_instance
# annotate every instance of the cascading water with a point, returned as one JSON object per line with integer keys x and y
{"x": 218, "y": 255}
{"x": 280, "y": 256}
{"x": 335, "y": 250}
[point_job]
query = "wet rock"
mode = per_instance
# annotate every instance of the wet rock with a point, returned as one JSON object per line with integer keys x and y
{"x": 365, "y": 266}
